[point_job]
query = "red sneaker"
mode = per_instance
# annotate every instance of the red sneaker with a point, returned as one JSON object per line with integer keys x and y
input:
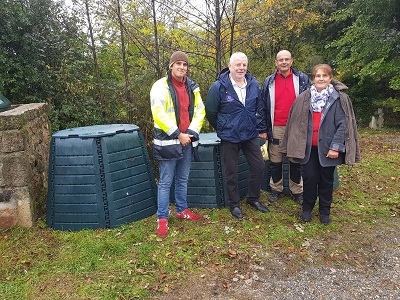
{"x": 188, "y": 215}
{"x": 162, "y": 227}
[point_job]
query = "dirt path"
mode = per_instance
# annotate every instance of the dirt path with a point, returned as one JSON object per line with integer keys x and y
{"x": 322, "y": 271}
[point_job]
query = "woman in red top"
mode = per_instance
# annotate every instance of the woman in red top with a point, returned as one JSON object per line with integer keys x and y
{"x": 315, "y": 137}
{"x": 318, "y": 179}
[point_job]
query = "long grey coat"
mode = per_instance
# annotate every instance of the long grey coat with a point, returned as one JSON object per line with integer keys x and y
{"x": 338, "y": 130}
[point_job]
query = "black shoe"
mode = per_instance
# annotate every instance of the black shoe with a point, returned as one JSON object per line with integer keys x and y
{"x": 236, "y": 212}
{"x": 273, "y": 196}
{"x": 325, "y": 219}
{"x": 306, "y": 216}
{"x": 259, "y": 206}
{"x": 298, "y": 198}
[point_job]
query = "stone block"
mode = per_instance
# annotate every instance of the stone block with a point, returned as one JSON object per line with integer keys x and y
{"x": 8, "y": 217}
{"x": 25, "y": 211}
{"x": 24, "y": 150}
{"x": 15, "y": 170}
{"x": 11, "y": 141}
{"x": 1, "y": 171}
{"x": 5, "y": 195}
{"x": 19, "y": 116}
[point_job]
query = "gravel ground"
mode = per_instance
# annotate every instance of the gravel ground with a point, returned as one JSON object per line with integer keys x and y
{"x": 371, "y": 272}
{"x": 379, "y": 279}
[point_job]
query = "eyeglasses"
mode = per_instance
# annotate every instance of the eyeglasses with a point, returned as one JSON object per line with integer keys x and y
{"x": 286, "y": 59}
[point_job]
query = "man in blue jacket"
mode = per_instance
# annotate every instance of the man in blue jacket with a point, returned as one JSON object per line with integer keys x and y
{"x": 278, "y": 93}
{"x": 231, "y": 106}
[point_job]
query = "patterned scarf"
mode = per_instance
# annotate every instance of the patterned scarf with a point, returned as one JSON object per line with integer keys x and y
{"x": 319, "y": 99}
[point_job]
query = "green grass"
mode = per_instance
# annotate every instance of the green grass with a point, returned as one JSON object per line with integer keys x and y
{"x": 131, "y": 262}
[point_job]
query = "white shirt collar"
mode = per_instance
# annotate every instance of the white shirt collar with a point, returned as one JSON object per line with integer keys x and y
{"x": 240, "y": 91}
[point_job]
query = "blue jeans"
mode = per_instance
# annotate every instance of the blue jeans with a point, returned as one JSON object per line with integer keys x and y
{"x": 170, "y": 170}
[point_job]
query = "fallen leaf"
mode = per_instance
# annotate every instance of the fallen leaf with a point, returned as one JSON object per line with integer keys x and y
{"x": 328, "y": 264}
{"x": 299, "y": 227}
{"x": 167, "y": 288}
{"x": 26, "y": 264}
{"x": 232, "y": 252}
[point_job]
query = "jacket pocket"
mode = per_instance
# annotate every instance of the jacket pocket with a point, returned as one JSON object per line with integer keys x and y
{"x": 223, "y": 122}
{"x": 170, "y": 152}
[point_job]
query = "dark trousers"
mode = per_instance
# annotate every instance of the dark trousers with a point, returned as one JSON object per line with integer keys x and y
{"x": 252, "y": 152}
{"x": 294, "y": 174}
{"x": 318, "y": 181}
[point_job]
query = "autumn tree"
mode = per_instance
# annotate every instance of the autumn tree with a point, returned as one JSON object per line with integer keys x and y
{"x": 368, "y": 52}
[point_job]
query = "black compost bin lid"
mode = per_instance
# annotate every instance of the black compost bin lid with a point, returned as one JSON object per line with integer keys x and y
{"x": 4, "y": 103}
{"x": 95, "y": 131}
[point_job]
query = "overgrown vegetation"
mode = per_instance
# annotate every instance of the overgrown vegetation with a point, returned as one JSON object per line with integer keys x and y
{"x": 131, "y": 262}
{"x": 95, "y": 61}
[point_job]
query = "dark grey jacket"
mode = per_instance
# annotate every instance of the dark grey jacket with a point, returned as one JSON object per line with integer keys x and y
{"x": 338, "y": 130}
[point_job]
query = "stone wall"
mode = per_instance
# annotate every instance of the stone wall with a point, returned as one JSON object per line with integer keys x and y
{"x": 24, "y": 151}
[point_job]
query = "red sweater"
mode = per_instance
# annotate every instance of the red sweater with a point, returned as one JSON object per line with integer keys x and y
{"x": 284, "y": 97}
{"x": 183, "y": 98}
{"x": 316, "y": 121}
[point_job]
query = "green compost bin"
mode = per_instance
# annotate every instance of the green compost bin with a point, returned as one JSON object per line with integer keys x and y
{"x": 207, "y": 181}
{"x": 99, "y": 177}
{"x": 4, "y": 103}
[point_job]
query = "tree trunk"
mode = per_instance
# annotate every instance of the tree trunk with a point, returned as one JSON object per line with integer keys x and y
{"x": 95, "y": 60}
{"x": 128, "y": 96}
{"x": 157, "y": 47}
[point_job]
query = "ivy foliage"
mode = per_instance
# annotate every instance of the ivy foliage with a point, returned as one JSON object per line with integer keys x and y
{"x": 368, "y": 50}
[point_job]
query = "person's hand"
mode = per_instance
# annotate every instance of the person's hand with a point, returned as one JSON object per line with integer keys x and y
{"x": 332, "y": 154}
{"x": 184, "y": 138}
{"x": 263, "y": 136}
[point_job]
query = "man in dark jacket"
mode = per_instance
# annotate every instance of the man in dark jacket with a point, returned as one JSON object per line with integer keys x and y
{"x": 278, "y": 93}
{"x": 231, "y": 106}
